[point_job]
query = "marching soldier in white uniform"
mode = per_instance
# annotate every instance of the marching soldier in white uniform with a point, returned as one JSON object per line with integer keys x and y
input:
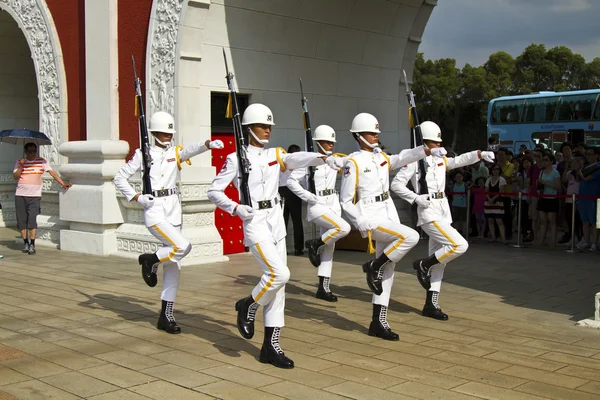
{"x": 323, "y": 209}
{"x": 162, "y": 209}
{"x": 434, "y": 216}
{"x": 264, "y": 229}
{"x": 364, "y": 197}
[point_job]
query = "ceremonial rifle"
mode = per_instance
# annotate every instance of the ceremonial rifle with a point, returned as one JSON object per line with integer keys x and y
{"x": 144, "y": 138}
{"x": 414, "y": 124}
{"x": 309, "y": 141}
{"x": 240, "y": 147}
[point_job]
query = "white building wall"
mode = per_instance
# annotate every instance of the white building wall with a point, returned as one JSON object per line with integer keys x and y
{"x": 18, "y": 105}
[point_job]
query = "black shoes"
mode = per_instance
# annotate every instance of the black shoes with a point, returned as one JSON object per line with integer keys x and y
{"x": 314, "y": 248}
{"x": 324, "y": 293}
{"x": 379, "y": 326}
{"x": 147, "y": 261}
{"x": 424, "y": 280}
{"x": 432, "y": 308}
{"x": 422, "y": 267}
{"x": 271, "y": 352}
{"x": 166, "y": 321}
{"x": 246, "y": 309}
{"x": 374, "y": 270}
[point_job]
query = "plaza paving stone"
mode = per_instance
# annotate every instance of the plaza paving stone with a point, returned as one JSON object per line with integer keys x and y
{"x": 79, "y": 326}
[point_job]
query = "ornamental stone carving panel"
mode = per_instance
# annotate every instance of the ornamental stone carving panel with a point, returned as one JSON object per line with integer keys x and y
{"x": 35, "y": 22}
{"x": 164, "y": 29}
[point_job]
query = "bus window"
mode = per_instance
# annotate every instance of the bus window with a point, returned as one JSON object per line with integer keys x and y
{"x": 592, "y": 138}
{"x": 507, "y": 111}
{"x": 540, "y": 109}
{"x": 542, "y": 138}
{"x": 597, "y": 113}
{"x": 579, "y": 107}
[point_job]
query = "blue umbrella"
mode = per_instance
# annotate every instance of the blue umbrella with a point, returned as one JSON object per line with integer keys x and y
{"x": 24, "y": 136}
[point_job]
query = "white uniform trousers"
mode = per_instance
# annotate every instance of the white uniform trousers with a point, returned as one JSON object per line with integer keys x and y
{"x": 447, "y": 244}
{"x": 270, "y": 291}
{"x": 332, "y": 228}
{"x": 175, "y": 247}
{"x": 395, "y": 240}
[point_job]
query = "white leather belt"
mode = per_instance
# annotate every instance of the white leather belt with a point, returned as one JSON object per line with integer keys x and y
{"x": 164, "y": 192}
{"x": 265, "y": 204}
{"x": 382, "y": 197}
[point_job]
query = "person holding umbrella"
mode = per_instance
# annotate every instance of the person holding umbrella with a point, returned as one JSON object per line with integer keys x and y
{"x": 28, "y": 172}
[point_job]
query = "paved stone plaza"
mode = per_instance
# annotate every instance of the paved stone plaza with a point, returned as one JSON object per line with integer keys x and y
{"x": 78, "y": 326}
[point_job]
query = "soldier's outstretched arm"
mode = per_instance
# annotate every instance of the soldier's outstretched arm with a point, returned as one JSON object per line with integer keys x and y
{"x": 216, "y": 192}
{"x": 300, "y": 159}
{"x": 408, "y": 156}
{"x": 121, "y": 179}
{"x": 348, "y": 195}
{"x": 193, "y": 149}
{"x": 400, "y": 182}
{"x": 463, "y": 160}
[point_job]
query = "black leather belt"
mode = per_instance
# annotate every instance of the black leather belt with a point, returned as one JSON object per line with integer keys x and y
{"x": 327, "y": 192}
{"x": 437, "y": 195}
{"x": 164, "y": 192}
{"x": 383, "y": 197}
{"x": 265, "y": 204}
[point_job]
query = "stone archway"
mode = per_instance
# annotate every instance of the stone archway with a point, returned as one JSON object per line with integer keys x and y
{"x": 36, "y": 25}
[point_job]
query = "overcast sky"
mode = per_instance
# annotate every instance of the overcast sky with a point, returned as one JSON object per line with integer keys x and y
{"x": 471, "y": 30}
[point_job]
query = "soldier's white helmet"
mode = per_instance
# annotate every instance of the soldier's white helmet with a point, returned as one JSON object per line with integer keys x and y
{"x": 365, "y": 122}
{"x": 324, "y": 132}
{"x": 431, "y": 131}
{"x": 162, "y": 122}
{"x": 258, "y": 114}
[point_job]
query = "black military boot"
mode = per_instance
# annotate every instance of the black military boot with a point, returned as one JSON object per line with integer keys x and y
{"x": 271, "y": 352}
{"x": 148, "y": 263}
{"x": 246, "y": 309}
{"x": 379, "y": 326}
{"x": 166, "y": 321}
{"x": 324, "y": 293}
{"x": 432, "y": 308}
{"x": 374, "y": 270}
{"x": 314, "y": 247}
{"x": 422, "y": 267}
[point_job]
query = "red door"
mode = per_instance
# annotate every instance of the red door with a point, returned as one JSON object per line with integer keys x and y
{"x": 230, "y": 228}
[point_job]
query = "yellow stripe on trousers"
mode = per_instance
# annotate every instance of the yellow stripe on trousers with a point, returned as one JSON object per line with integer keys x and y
{"x": 337, "y": 228}
{"x": 397, "y": 243}
{"x": 270, "y": 282}
{"x": 454, "y": 245}
{"x": 175, "y": 248}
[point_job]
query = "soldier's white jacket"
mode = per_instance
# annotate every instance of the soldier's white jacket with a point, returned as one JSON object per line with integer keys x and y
{"x": 435, "y": 176}
{"x": 325, "y": 179}
{"x": 164, "y": 172}
{"x": 263, "y": 182}
{"x": 365, "y": 176}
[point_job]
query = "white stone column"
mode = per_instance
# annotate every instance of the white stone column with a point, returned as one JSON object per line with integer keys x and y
{"x": 91, "y": 205}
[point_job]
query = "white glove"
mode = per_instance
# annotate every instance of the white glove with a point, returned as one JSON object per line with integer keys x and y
{"x": 422, "y": 200}
{"x": 312, "y": 199}
{"x": 488, "y": 156}
{"x": 363, "y": 225}
{"x": 438, "y": 152}
{"x": 246, "y": 213}
{"x": 216, "y": 144}
{"x": 334, "y": 162}
{"x": 147, "y": 200}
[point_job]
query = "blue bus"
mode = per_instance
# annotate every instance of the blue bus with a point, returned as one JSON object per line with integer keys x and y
{"x": 546, "y": 118}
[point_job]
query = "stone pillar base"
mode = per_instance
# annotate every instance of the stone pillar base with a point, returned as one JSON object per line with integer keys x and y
{"x": 81, "y": 238}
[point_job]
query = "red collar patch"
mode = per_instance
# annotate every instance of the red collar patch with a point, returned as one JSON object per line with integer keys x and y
{"x": 441, "y": 164}
{"x": 171, "y": 160}
{"x": 383, "y": 163}
{"x": 274, "y": 162}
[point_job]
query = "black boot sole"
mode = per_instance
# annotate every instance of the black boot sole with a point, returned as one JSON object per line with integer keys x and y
{"x": 266, "y": 360}
{"x": 384, "y": 337}
{"x": 313, "y": 256}
{"x": 330, "y": 297}
{"x": 238, "y": 306}
{"x": 434, "y": 315}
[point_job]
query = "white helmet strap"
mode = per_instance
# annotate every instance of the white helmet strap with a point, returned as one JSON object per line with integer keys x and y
{"x": 166, "y": 144}
{"x": 328, "y": 153}
{"x": 261, "y": 141}
{"x": 371, "y": 145}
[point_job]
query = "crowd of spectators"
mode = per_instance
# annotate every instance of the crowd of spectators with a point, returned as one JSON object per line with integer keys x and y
{"x": 546, "y": 180}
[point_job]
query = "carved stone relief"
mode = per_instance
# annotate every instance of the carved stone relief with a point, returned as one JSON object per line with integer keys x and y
{"x": 163, "y": 32}
{"x": 32, "y": 17}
